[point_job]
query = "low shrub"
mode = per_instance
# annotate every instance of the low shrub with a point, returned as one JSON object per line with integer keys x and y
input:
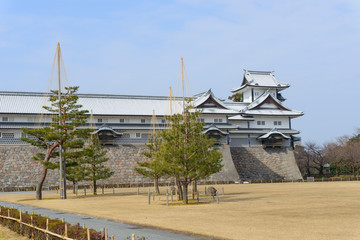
{"x": 55, "y": 226}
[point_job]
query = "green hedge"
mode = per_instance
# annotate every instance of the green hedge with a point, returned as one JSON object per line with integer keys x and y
{"x": 55, "y": 226}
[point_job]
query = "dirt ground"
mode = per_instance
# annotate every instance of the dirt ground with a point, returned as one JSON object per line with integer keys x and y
{"x": 281, "y": 211}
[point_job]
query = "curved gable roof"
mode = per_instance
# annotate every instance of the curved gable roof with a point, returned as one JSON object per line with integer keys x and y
{"x": 105, "y": 128}
{"x": 254, "y": 108}
{"x": 260, "y": 79}
{"x": 272, "y": 132}
{"x": 208, "y": 97}
{"x": 213, "y": 128}
{"x": 266, "y": 97}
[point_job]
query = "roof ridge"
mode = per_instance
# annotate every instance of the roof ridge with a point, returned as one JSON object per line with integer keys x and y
{"x": 90, "y": 95}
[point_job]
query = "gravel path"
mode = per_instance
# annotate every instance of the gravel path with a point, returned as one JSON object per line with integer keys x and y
{"x": 118, "y": 229}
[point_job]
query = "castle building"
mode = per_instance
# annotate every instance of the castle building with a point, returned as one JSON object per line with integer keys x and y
{"x": 259, "y": 120}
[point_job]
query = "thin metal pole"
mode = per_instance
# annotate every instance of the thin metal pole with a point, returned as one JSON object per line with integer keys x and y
{"x": 183, "y": 86}
{"x": 170, "y": 94}
{"x": 167, "y": 197}
{"x": 62, "y": 192}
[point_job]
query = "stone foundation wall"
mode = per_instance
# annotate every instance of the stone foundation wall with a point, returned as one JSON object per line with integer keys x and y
{"x": 18, "y": 170}
{"x": 260, "y": 163}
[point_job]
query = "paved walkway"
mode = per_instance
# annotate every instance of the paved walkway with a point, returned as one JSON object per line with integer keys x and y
{"x": 118, "y": 229}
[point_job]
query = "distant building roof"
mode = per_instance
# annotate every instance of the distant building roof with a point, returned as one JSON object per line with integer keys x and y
{"x": 111, "y": 105}
{"x": 241, "y": 118}
{"x": 31, "y": 103}
{"x": 260, "y": 79}
{"x": 105, "y": 128}
{"x": 209, "y": 104}
{"x": 213, "y": 128}
{"x": 262, "y": 131}
{"x": 273, "y": 132}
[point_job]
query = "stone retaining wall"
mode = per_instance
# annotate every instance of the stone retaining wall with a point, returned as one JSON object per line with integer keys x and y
{"x": 18, "y": 170}
{"x": 260, "y": 163}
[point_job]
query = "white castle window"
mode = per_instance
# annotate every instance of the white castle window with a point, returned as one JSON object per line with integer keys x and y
{"x": 145, "y": 135}
{"x": 277, "y": 123}
{"x": 122, "y": 120}
{"x": 126, "y": 135}
{"x": 142, "y": 120}
{"x": 8, "y": 135}
{"x": 138, "y": 135}
{"x": 102, "y": 120}
{"x": 7, "y": 119}
{"x": 260, "y": 122}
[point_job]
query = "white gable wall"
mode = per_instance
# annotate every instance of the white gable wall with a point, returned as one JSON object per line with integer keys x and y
{"x": 269, "y": 122}
{"x": 241, "y": 124}
{"x": 258, "y": 91}
{"x": 247, "y": 96}
{"x": 269, "y": 105}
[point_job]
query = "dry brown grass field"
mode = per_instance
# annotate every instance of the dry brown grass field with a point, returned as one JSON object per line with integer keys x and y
{"x": 7, "y": 234}
{"x": 281, "y": 211}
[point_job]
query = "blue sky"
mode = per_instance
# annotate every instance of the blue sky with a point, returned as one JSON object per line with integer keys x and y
{"x": 134, "y": 47}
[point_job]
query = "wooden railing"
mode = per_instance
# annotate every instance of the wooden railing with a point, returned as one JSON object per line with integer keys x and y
{"x": 46, "y": 231}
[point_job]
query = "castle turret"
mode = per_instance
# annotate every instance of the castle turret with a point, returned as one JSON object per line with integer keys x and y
{"x": 255, "y": 83}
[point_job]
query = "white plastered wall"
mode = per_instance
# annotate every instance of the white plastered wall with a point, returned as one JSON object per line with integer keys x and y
{"x": 269, "y": 122}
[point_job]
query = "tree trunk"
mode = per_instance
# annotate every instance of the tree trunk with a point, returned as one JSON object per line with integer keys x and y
{"x": 321, "y": 172}
{"x": 195, "y": 185}
{"x": 156, "y": 185}
{"x": 74, "y": 187}
{"x": 64, "y": 173}
{"x": 194, "y": 189}
{"x": 40, "y": 185}
{"x": 185, "y": 192}
{"x": 180, "y": 190}
{"x": 336, "y": 170}
{"x": 94, "y": 187}
{"x": 308, "y": 169}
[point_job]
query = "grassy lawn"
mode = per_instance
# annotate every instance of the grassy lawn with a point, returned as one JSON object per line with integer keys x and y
{"x": 281, "y": 211}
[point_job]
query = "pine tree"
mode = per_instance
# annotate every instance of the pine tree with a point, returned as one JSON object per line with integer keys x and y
{"x": 188, "y": 154}
{"x": 93, "y": 162}
{"x": 63, "y": 130}
{"x": 153, "y": 168}
{"x": 236, "y": 97}
{"x": 74, "y": 168}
